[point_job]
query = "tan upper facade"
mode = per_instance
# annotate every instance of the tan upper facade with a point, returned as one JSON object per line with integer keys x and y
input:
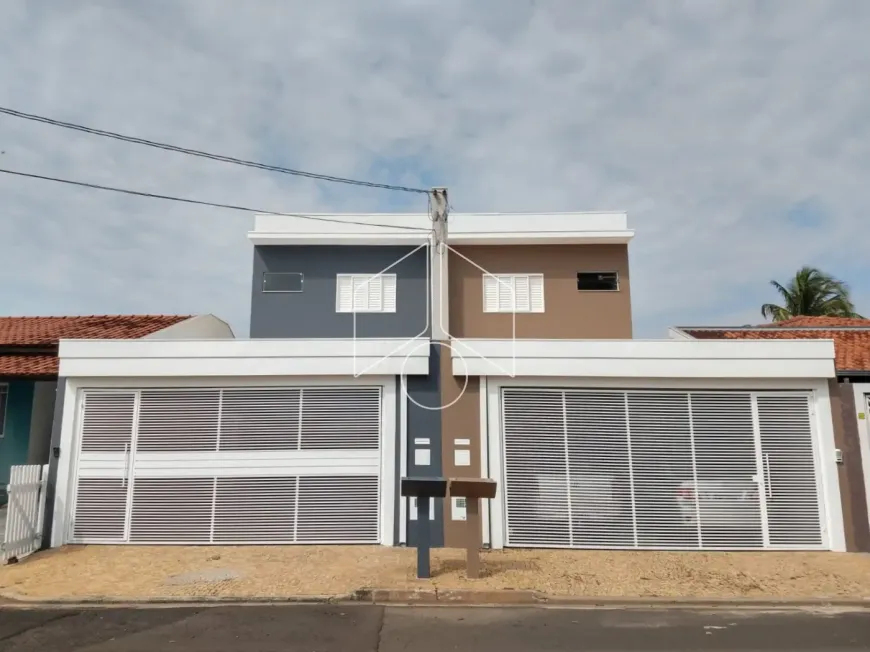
{"x": 557, "y": 308}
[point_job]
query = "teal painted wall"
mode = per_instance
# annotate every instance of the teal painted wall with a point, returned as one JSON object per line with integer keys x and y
{"x": 16, "y": 433}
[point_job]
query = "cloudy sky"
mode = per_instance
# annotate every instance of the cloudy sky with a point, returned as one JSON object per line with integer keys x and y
{"x": 736, "y": 133}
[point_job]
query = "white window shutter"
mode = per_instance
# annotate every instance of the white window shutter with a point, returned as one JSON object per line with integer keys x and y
{"x": 389, "y": 293}
{"x": 375, "y": 293}
{"x": 521, "y": 293}
{"x": 536, "y": 293}
{"x": 366, "y": 293}
{"x": 513, "y": 293}
{"x": 490, "y": 294}
{"x": 505, "y": 293}
{"x": 344, "y": 290}
{"x": 360, "y": 294}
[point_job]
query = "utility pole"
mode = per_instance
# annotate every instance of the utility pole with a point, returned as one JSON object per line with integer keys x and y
{"x": 438, "y": 262}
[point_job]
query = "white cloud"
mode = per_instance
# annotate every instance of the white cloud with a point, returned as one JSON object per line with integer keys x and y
{"x": 706, "y": 120}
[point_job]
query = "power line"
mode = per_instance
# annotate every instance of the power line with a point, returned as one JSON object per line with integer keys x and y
{"x": 200, "y": 153}
{"x": 198, "y": 202}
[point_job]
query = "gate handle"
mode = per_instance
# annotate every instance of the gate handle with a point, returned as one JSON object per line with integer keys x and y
{"x": 126, "y": 465}
{"x": 767, "y": 481}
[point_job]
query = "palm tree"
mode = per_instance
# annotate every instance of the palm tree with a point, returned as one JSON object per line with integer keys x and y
{"x": 811, "y": 293}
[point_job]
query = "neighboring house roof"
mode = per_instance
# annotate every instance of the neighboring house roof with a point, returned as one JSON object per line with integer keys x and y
{"x": 29, "y": 344}
{"x": 851, "y": 336}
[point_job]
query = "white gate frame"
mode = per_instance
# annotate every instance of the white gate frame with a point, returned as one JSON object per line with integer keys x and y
{"x": 71, "y": 424}
{"x": 823, "y": 434}
{"x": 25, "y": 510}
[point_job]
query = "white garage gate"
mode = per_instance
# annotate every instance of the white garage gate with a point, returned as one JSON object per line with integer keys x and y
{"x": 655, "y": 469}
{"x": 230, "y": 465}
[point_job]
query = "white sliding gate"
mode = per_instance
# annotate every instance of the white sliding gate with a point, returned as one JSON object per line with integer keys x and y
{"x": 661, "y": 469}
{"x": 25, "y": 510}
{"x": 228, "y": 465}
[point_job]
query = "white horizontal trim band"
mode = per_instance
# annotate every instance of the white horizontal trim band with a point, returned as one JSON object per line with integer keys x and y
{"x": 330, "y": 357}
{"x": 644, "y": 359}
{"x": 233, "y": 464}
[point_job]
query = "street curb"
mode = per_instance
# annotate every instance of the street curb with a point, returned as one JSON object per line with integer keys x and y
{"x": 528, "y": 598}
{"x": 445, "y": 597}
{"x": 13, "y": 599}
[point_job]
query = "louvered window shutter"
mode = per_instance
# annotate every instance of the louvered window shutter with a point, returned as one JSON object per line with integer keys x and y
{"x": 521, "y": 293}
{"x": 536, "y": 289}
{"x": 506, "y": 290}
{"x": 344, "y": 290}
{"x": 375, "y": 292}
{"x": 366, "y": 293}
{"x": 389, "y": 293}
{"x": 490, "y": 294}
{"x": 513, "y": 293}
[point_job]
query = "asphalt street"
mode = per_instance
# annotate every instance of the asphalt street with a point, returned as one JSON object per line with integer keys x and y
{"x": 365, "y": 628}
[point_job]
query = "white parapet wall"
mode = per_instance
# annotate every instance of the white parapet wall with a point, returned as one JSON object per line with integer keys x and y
{"x": 238, "y": 358}
{"x": 645, "y": 358}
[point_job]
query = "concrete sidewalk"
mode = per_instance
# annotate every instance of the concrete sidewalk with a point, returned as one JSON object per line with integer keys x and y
{"x": 331, "y": 628}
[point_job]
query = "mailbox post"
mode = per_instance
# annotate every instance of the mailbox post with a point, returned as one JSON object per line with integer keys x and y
{"x": 423, "y": 489}
{"x": 472, "y": 489}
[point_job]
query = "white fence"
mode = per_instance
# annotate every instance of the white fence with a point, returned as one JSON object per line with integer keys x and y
{"x": 25, "y": 511}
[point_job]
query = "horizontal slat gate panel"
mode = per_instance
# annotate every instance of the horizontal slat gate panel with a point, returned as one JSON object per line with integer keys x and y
{"x": 725, "y": 498}
{"x": 178, "y": 420}
{"x": 198, "y": 476}
{"x": 658, "y": 469}
{"x": 171, "y": 510}
{"x": 255, "y": 510}
{"x": 348, "y": 418}
{"x": 101, "y": 509}
{"x": 260, "y": 419}
{"x": 338, "y": 509}
{"x": 661, "y": 449}
{"x": 106, "y": 436}
{"x": 536, "y": 468}
{"x": 599, "y": 470}
{"x": 792, "y": 498}
{"x": 107, "y": 422}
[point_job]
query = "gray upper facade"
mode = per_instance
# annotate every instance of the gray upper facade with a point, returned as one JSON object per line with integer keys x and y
{"x": 301, "y": 291}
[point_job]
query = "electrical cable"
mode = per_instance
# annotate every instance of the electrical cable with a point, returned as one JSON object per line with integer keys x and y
{"x": 215, "y": 157}
{"x": 198, "y": 202}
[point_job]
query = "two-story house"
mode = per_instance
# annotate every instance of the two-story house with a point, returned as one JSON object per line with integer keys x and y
{"x": 505, "y": 351}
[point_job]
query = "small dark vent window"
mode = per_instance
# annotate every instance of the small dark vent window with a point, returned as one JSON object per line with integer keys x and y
{"x": 598, "y": 281}
{"x": 282, "y": 282}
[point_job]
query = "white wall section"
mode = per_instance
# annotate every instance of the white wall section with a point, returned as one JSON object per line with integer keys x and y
{"x": 186, "y": 358}
{"x": 645, "y": 358}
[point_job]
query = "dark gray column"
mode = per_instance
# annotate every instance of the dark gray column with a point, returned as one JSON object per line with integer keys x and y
{"x": 53, "y": 451}
{"x": 425, "y": 424}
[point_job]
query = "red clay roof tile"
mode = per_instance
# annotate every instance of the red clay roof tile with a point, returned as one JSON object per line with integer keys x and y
{"x": 819, "y": 322}
{"x": 28, "y": 365}
{"x": 46, "y": 331}
{"x": 852, "y": 347}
